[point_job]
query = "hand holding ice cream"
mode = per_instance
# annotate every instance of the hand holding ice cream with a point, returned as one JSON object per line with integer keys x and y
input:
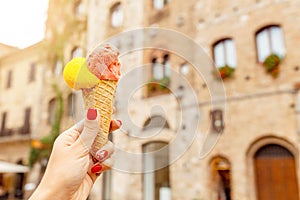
{"x": 97, "y": 77}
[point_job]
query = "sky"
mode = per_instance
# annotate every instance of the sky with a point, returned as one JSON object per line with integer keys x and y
{"x": 22, "y": 22}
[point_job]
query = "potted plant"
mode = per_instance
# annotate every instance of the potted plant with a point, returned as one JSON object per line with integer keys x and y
{"x": 225, "y": 71}
{"x": 271, "y": 64}
{"x": 158, "y": 85}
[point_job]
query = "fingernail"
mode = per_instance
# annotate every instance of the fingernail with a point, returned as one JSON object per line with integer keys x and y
{"x": 120, "y": 122}
{"x": 98, "y": 174}
{"x": 92, "y": 114}
{"x": 101, "y": 155}
{"x": 97, "y": 168}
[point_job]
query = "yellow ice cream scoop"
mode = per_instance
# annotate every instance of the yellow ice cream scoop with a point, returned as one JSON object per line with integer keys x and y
{"x": 78, "y": 76}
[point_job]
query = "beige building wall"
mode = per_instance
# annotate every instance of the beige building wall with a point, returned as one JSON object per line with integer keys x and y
{"x": 64, "y": 38}
{"x": 6, "y": 49}
{"x": 20, "y": 95}
{"x": 260, "y": 110}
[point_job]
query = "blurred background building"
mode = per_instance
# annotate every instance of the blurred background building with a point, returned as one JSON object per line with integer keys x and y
{"x": 253, "y": 44}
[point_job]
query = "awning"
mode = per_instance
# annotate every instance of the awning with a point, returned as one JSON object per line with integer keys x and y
{"x": 6, "y": 167}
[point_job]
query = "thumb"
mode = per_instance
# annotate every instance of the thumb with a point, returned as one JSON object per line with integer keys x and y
{"x": 90, "y": 129}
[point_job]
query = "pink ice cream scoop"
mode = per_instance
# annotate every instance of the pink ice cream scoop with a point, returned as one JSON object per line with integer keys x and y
{"x": 103, "y": 62}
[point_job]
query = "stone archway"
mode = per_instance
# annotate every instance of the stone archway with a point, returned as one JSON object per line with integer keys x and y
{"x": 221, "y": 178}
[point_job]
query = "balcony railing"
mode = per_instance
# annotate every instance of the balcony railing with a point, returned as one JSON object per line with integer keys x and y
{"x": 11, "y": 132}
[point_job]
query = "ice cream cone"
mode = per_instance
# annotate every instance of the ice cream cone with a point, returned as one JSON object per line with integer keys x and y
{"x": 97, "y": 76}
{"x": 101, "y": 97}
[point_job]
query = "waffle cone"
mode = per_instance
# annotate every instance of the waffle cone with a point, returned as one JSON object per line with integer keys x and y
{"x": 101, "y": 97}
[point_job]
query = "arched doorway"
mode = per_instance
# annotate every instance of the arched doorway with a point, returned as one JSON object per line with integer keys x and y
{"x": 221, "y": 177}
{"x": 275, "y": 173}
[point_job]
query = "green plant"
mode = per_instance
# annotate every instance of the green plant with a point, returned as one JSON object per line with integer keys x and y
{"x": 271, "y": 65}
{"x": 159, "y": 84}
{"x": 44, "y": 148}
{"x": 225, "y": 72}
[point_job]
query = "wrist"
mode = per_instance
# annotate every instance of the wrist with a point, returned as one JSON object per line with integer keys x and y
{"x": 47, "y": 192}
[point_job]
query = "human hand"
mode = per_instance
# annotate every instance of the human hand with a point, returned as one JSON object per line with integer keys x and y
{"x": 71, "y": 171}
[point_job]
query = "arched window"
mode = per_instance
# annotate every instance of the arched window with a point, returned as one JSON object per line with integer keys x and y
{"x": 58, "y": 67}
{"x": 167, "y": 65}
{"x": 225, "y": 53}
{"x": 160, "y": 74}
{"x": 157, "y": 69}
{"x": 159, "y": 4}
{"x": 117, "y": 15}
{"x": 79, "y": 9}
{"x": 221, "y": 177}
{"x": 156, "y": 121}
{"x": 77, "y": 52}
{"x": 269, "y": 40}
{"x": 156, "y": 180}
{"x": 71, "y": 104}
{"x": 51, "y": 110}
{"x": 184, "y": 68}
{"x": 163, "y": 69}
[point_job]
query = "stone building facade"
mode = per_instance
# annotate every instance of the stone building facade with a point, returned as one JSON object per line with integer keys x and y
{"x": 28, "y": 101}
{"x": 261, "y": 118}
{"x": 258, "y": 144}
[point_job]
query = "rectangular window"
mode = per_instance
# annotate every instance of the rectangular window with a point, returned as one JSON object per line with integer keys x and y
{"x": 156, "y": 171}
{"x": 106, "y": 188}
{"x": 71, "y": 104}
{"x": 58, "y": 68}
{"x": 9, "y": 79}
{"x": 51, "y": 111}
{"x": 3, "y": 123}
{"x": 26, "y": 125}
{"x": 32, "y": 70}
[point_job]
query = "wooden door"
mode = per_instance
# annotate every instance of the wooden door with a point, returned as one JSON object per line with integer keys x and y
{"x": 275, "y": 171}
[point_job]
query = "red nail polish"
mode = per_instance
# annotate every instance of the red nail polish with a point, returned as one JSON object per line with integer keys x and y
{"x": 102, "y": 155}
{"x": 97, "y": 168}
{"x": 120, "y": 122}
{"x": 92, "y": 114}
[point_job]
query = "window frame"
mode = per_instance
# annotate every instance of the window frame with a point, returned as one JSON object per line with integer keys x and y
{"x": 221, "y": 169}
{"x": 225, "y": 52}
{"x": 76, "y": 52}
{"x": 184, "y": 68}
{"x": 57, "y": 67}
{"x": 3, "y": 121}
{"x": 268, "y": 30}
{"x": 156, "y": 64}
{"x": 115, "y": 14}
{"x": 158, "y": 122}
{"x": 164, "y": 3}
{"x": 79, "y": 8}
{"x": 9, "y": 79}
{"x": 32, "y": 73}
{"x": 27, "y": 119}
{"x": 52, "y": 104}
{"x": 166, "y": 70}
{"x": 71, "y": 109}
{"x": 153, "y": 176}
